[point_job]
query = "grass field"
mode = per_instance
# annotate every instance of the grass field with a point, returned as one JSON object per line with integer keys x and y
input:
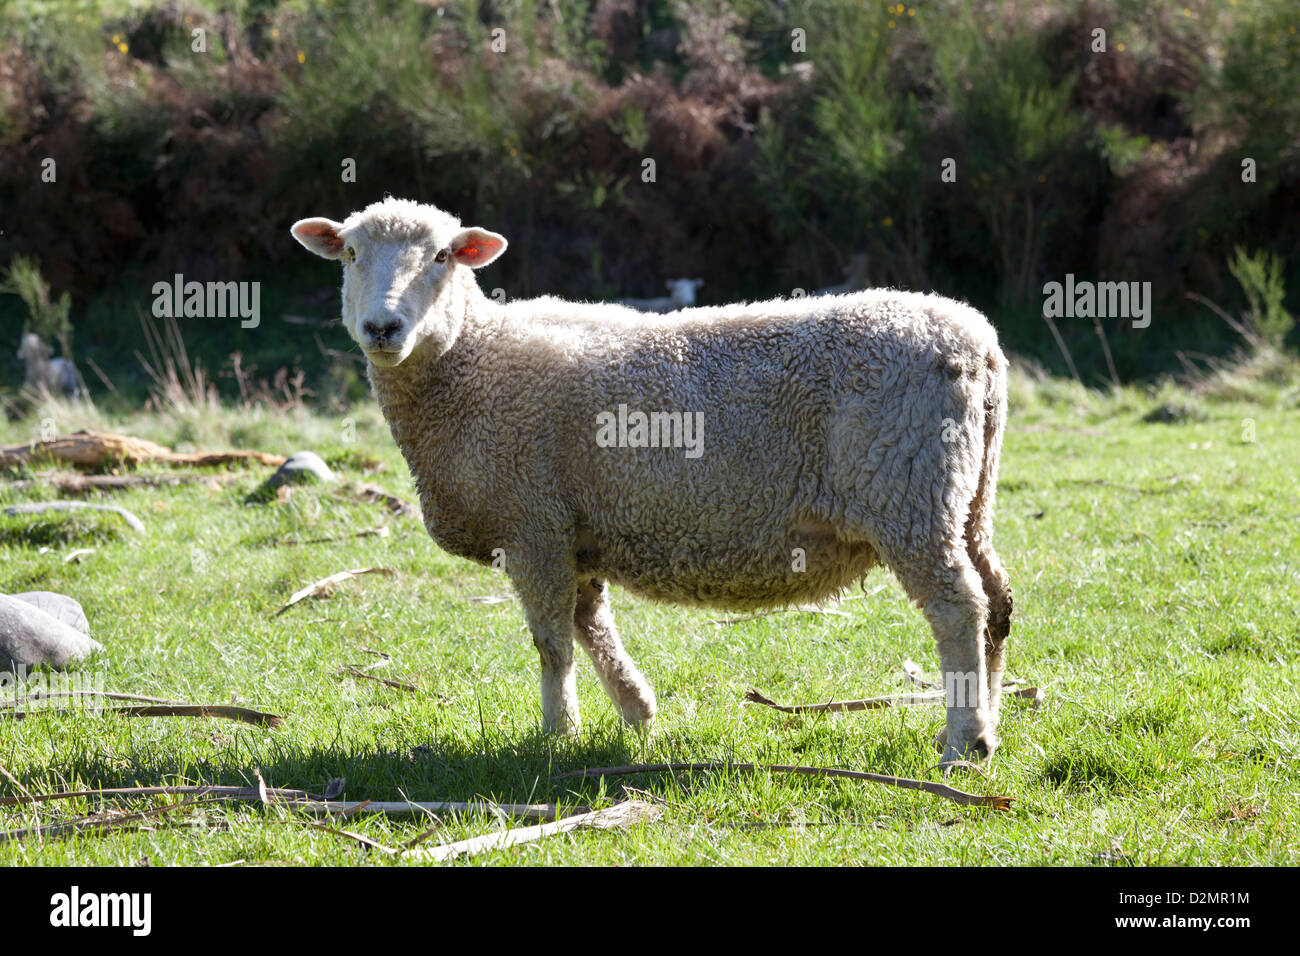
{"x": 1156, "y": 569}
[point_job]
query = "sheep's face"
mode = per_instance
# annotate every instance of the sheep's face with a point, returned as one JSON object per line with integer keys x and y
{"x": 32, "y": 349}
{"x": 683, "y": 290}
{"x": 399, "y": 262}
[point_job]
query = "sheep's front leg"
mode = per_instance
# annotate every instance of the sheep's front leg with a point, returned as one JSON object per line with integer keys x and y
{"x": 545, "y": 584}
{"x": 618, "y": 673}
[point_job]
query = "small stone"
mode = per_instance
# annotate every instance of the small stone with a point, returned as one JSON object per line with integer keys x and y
{"x": 304, "y": 467}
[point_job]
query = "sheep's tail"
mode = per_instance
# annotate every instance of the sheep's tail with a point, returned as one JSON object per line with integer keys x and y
{"x": 979, "y": 525}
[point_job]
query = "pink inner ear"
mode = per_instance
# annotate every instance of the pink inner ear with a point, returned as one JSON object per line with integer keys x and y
{"x": 477, "y": 248}
{"x": 324, "y": 236}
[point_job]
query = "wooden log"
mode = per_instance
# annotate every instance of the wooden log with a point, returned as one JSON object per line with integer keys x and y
{"x": 91, "y": 450}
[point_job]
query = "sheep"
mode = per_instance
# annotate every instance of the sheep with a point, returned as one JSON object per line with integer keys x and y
{"x": 739, "y": 456}
{"x": 855, "y": 277}
{"x": 45, "y": 374}
{"x": 681, "y": 295}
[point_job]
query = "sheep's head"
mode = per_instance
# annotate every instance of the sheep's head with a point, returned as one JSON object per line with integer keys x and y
{"x": 400, "y": 260}
{"x": 683, "y": 290}
{"x": 33, "y": 348}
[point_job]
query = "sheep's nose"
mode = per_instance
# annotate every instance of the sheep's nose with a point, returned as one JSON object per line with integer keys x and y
{"x": 380, "y": 329}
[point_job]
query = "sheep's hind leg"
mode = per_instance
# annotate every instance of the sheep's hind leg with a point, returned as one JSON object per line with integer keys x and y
{"x": 951, "y": 595}
{"x": 546, "y": 589}
{"x": 598, "y": 636}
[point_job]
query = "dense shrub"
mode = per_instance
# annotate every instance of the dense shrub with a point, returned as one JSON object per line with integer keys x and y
{"x": 786, "y": 139}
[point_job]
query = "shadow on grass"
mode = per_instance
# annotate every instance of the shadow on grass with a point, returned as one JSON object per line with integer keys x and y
{"x": 499, "y": 768}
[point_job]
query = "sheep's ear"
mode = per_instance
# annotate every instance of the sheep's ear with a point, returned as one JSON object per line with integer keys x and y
{"x": 477, "y": 247}
{"x": 321, "y": 236}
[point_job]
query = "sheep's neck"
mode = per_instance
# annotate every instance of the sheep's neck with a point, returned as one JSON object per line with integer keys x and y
{"x": 428, "y": 409}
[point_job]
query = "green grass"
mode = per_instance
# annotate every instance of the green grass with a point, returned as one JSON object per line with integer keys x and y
{"x": 1157, "y": 577}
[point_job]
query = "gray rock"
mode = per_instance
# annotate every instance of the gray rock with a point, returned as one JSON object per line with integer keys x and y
{"x": 31, "y": 637}
{"x": 301, "y": 468}
{"x": 58, "y": 606}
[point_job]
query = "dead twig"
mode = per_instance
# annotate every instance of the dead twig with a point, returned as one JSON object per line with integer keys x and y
{"x": 907, "y": 783}
{"x": 322, "y": 586}
{"x": 40, "y": 507}
{"x": 101, "y": 822}
{"x": 146, "y": 707}
{"x": 396, "y": 505}
{"x": 357, "y": 672}
{"x": 380, "y": 532}
{"x": 620, "y": 815}
{"x": 833, "y": 706}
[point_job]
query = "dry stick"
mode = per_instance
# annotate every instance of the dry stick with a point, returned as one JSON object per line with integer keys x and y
{"x": 356, "y": 672}
{"x": 394, "y": 504}
{"x": 302, "y": 800}
{"x": 1105, "y": 347}
{"x": 1250, "y": 337}
{"x": 163, "y": 708}
{"x": 1060, "y": 342}
{"x": 102, "y": 377}
{"x": 40, "y": 507}
{"x": 88, "y": 824}
{"x": 202, "y": 790}
{"x": 868, "y": 703}
{"x": 620, "y": 815}
{"x": 380, "y": 532}
{"x": 74, "y": 484}
{"x": 323, "y": 585}
{"x": 907, "y": 783}
{"x": 26, "y": 793}
{"x": 522, "y": 811}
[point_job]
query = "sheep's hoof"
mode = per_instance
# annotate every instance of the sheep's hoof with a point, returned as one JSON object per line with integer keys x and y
{"x": 978, "y": 749}
{"x": 639, "y": 715}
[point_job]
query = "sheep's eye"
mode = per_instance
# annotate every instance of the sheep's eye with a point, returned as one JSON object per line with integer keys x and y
{"x": 351, "y": 253}
{"x": 441, "y": 256}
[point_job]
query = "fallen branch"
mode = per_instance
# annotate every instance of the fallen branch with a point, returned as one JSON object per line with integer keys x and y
{"x": 396, "y": 505}
{"x": 90, "y": 450}
{"x": 40, "y": 507}
{"x": 148, "y": 707}
{"x": 66, "y": 483}
{"x": 322, "y": 586}
{"x": 201, "y": 790}
{"x": 400, "y": 808}
{"x": 100, "y": 823}
{"x": 357, "y": 672}
{"x": 907, "y": 783}
{"x": 620, "y": 815}
{"x": 309, "y": 802}
{"x": 868, "y": 703}
{"x": 380, "y": 532}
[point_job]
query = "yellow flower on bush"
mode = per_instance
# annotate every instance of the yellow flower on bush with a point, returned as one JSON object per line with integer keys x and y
{"x": 122, "y": 47}
{"x": 302, "y": 57}
{"x": 887, "y": 222}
